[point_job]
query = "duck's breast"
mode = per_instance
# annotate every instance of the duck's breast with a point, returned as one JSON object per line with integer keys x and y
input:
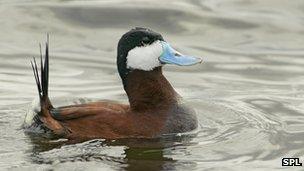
{"x": 181, "y": 118}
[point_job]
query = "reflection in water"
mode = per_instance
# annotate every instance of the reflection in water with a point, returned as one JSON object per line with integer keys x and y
{"x": 148, "y": 159}
{"x": 134, "y": 154}
{"x": 248, "y": 94}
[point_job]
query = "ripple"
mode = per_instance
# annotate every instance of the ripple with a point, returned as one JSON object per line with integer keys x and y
{"x": 248, "y": 93}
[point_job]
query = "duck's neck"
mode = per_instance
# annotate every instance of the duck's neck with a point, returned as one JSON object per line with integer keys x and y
{"x": 148, "y": 90}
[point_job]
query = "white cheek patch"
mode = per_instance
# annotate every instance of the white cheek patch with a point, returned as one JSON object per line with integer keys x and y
{"x": 145, "y": 57}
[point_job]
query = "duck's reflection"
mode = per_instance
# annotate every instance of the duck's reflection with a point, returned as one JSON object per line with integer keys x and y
{"x": 147, "y": 159}
{"x": 128, "y": 154}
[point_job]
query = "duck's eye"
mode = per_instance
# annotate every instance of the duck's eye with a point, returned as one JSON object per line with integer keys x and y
{"x": 146, "y": 40}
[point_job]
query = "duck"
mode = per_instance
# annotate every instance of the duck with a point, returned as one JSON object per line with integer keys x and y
{"x": 155, "y": 108}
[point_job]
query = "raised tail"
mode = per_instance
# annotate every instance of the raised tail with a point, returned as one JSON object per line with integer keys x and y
{"x": 42, "y": 82}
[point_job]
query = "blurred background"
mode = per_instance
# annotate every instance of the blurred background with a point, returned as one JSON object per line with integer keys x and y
{"x": 248, "y": 93}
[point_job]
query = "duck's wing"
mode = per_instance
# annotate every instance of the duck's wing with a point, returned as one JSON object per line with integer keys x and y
{"x": 85, "y": 110}
{"x": 68, "y": 113}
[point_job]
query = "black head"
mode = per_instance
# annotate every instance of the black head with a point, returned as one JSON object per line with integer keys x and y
{"x": 136, "y": 37}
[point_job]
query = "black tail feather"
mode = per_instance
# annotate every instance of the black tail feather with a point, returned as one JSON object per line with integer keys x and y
{"x": 45, "y": 82}
{"x": 35, "y": 71}
{"x": 42, "y": 79}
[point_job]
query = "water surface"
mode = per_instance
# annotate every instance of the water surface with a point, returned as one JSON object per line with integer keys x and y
{"x": 248, "y": 94}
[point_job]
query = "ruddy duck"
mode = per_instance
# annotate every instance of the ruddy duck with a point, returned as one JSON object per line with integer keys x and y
{"x": 154, "y": 108}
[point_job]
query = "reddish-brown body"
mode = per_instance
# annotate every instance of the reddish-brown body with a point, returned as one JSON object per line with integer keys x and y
{"x": 151, "y": 113}
{"x": 105, "y": 120}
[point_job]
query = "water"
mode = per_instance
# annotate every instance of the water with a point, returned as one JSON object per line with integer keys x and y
{"x": 248, "y": 93}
